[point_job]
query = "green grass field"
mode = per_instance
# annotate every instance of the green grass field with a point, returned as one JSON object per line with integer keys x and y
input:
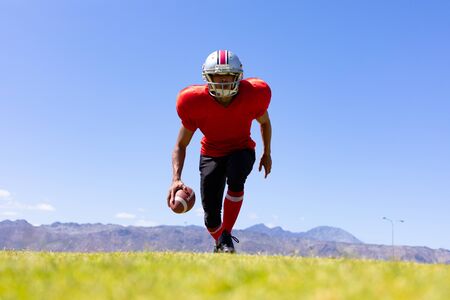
{"x": 150, "y": 275}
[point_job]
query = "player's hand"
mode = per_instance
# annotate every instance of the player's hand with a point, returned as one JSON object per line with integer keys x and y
{"x": 266, "y": 162}
{"x": 175, "y": 186}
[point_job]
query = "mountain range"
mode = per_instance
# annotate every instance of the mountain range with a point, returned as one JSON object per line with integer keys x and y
{"x": 323, "y": 241}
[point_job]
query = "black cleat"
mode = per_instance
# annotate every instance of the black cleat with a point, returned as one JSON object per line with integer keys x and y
{"x": 225, "y": 243}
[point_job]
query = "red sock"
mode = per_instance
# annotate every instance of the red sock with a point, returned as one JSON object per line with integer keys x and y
{"x": 215, "y": 232}
{"x": 231, "y": 207}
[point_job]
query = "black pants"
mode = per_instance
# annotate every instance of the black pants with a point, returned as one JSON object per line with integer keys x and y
{"x": 233, "y": 170}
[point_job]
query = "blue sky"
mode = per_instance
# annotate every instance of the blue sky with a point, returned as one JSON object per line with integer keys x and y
{"x": 360, "y": 111}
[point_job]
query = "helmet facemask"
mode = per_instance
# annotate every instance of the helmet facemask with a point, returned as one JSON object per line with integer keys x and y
{"x": 223, "y": 89}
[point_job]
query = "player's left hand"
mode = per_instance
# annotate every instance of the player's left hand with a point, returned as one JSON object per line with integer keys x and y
{"x": 266, "y": 162}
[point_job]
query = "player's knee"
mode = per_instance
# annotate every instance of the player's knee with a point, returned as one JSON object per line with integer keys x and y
{"x": 236, "y": 184}
{"x": 236, "y": 187}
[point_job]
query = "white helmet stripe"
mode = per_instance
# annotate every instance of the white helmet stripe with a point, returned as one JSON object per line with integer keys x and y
{"x": 222, "y": 57}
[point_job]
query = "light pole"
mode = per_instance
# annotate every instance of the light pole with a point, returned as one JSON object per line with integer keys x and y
{"x": 392, "y": 223}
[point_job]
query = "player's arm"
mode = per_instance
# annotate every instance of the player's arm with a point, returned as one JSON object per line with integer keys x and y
{"x": 266, "y": 134}
{"x": 178, "y": 156}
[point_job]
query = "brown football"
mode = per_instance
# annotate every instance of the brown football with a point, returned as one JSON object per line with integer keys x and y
{"x": 184, "y": 201}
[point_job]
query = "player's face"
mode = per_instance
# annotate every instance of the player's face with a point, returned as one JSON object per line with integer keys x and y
{"x": 218, "y": 78}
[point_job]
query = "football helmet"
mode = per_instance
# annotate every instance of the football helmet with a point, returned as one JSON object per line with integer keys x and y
{"x": 222, "y": 62}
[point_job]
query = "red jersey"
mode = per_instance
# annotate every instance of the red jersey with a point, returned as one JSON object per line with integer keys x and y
{"x": 225, "y": 129}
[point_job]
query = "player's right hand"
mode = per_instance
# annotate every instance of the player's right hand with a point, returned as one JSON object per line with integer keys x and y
{"x": 175, "y": 186}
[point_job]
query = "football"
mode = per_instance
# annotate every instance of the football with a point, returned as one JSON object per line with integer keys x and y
{"x": 184, "y": 201}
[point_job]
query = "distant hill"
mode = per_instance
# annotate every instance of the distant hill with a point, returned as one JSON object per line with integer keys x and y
{"x": 324, "y": 233}
{"x": 320, "y": 241}
{"x": 321, "y": 233}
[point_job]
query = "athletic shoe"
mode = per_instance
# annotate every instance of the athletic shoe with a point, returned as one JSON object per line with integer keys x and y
{"x": 225, "y": 243}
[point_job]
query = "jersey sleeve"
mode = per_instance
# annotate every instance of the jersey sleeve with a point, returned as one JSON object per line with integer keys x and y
{"x": 183, "y": 110}
{"x": 264, "y": 95}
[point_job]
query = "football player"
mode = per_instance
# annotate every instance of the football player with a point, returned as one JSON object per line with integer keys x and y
{"x": 223, "y": 110}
